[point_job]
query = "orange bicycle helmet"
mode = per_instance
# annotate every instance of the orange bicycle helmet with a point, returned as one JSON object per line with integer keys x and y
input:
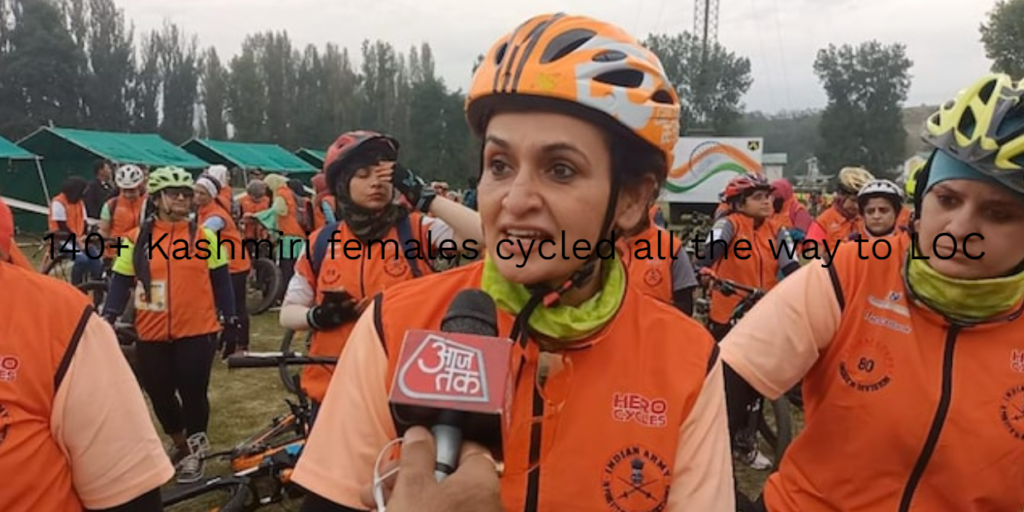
{"x": 341, "y": 152}
{"x": 744, "y": 184}
{"x": 582, "y": 61}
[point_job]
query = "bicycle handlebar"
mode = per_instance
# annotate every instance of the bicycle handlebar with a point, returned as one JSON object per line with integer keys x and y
{"x": 275, "y": 359}
{"x": 730, "y": 285}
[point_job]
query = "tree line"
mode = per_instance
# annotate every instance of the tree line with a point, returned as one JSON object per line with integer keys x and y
{"x": 81, "y": 63}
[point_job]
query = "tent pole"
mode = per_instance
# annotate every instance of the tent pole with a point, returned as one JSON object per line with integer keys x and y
{"x": 46, "y": 190}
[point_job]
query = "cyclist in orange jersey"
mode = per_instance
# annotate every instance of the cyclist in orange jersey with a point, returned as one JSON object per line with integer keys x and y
{"x": 881, "y": 205}
{"x": 646, "y": 408}
{"x": 123, "y": 212}
{"x": 370, "y": 248}
{"x": 182, "y": 293}
{"x": 211, "y": 215}
{"x": 74, "y": 429}
{"x": 912, "y": 365}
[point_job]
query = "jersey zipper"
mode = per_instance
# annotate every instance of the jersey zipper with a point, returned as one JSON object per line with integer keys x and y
{"x": 937, "y": 422}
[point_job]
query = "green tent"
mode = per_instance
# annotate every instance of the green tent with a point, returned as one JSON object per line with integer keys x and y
{"x": 270, "y": 158}
{"x": 72, "y": 152}
{"x": 16, "y": 161}
{"x": 312, "y": 156}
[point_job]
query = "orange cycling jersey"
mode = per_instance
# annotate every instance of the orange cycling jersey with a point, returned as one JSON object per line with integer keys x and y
{"x": 231, "y": 239}
{"x": 646, "y": 410}
{"x": 288, "y": 222}
{"x": 318, "y": 214}
{"x": 836, "y": 225}
{"x": 75, "y": 216}
{"x": 904, "y": 411}
{"x": 181, "y": 300}
{"x": 253, "y": 230}
{"x": 125, "y": 215}
{"x": 379, "y": 266}
{"x": 750, "y": 260}
{"x": 63, "y": 405}
{"x": 649, "y": 257}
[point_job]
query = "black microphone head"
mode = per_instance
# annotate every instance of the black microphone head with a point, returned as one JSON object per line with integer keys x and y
{"x": 471, "y": 312}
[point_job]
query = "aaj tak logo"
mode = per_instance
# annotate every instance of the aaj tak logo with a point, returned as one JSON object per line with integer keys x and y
{"x": 442, "y": 369}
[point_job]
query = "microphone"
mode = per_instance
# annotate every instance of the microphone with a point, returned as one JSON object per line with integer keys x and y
{"x": 459, "y": 381}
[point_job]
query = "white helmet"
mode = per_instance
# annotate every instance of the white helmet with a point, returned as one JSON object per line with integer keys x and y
{"x": 128, "y": 176}
{"x": 881, "y": 188}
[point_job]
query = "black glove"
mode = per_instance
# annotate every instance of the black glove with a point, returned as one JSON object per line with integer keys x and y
{"x": 329, "y": 315}
{"x": 413, "y": 188}
{"x": 233, "y": 322}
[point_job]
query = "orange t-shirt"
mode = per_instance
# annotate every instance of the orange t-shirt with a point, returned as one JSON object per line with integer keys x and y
{"x": 643, "y": 406}
{"x": 75, "y": 431}
{"x": 903, "y": 411}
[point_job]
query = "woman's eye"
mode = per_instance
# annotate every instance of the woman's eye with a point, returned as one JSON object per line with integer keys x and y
{"x": 998, "y": 215}
{"x": 562, "y": 172}
{"x": 946, "y": 200}
{"x": 498, "y": 167}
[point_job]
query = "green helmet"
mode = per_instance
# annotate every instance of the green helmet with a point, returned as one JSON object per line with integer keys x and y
{"x": 169, "y": 177}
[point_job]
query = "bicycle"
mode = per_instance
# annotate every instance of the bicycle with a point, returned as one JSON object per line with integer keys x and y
{"x": 265, "y": 280}
{"x": 261, "y": 464}
{"x": 777, "y": 430}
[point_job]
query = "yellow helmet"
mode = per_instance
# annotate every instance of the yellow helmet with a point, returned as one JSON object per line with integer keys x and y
{"x": 984, "y": 127}
{"x": 911, "y": 182}
{"x": 852, "y": 179}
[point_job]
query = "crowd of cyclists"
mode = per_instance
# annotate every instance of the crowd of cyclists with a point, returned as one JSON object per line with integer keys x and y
{"x": 907, "y": 363}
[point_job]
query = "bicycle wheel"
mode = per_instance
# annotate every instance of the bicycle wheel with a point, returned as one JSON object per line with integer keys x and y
{"x": 264, "y": 285}
{"x": 58, "y": 268}
{"x": 778, "y": 432}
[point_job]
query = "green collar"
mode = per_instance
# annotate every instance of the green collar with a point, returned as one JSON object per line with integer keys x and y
{"x": 562, "y": 323}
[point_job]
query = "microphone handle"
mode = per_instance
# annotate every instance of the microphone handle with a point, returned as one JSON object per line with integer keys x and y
{"x": 448, "y": 439}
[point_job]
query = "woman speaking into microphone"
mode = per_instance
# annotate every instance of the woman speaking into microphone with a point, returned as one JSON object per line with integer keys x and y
{"x": 619, "y": 400}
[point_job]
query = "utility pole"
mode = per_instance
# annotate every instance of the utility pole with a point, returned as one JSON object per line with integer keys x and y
{"x": 705, "y": 22}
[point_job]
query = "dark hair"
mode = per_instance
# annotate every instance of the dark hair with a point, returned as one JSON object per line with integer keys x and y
{"x": 73, "y": 188}
{"x": 98, "y": 166}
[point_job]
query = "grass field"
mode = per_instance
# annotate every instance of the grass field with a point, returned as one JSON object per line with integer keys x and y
{"x": 244, "y": 401}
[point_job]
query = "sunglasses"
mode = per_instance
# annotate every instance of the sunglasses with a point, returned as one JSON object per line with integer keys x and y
{"x": 183, "y": 193}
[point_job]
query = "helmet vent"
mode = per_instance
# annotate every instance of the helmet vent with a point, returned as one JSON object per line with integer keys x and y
{"x": 609, "y": 56}
{"x": 967, "y": 123}
{"x": 499, "y": 55}
{"x": 986, "y": 92}
{"x": 623, "y": 78}
{"x": 663, "y": 96}
{"x": 565, "y": 43}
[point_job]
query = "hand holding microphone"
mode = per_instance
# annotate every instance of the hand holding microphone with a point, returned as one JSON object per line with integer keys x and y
{"x": 457, "y": 382}
{"x": 473, "y": 487}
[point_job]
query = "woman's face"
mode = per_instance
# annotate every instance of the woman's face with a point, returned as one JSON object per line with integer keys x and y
{"x": 848, "y": 203}
{"x": 547, "y": 175}
{"x": 758, "y": 204}
{"x": 176, "y": 203}
{"x": 371, "y": 187}
{"x": 988, "y": 218}
{"x": 879, "y": 216}
{"x": 202, "y": 197}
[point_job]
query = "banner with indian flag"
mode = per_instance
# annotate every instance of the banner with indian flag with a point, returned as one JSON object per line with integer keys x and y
{"x": 703, "y": 166}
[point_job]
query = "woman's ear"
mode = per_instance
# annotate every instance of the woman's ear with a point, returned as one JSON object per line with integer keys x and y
{"x": 633, "y": 203}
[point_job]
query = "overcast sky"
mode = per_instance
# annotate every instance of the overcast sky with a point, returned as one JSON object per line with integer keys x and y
{"x": 780, "y": 37}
